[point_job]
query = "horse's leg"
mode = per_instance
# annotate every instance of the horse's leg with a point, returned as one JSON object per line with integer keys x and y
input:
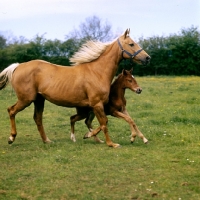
{"x": 100, "y": 114}
{"x": 12, "y": 111}
{"x": 38, "y": 112}
{"x": 134, "y": 128}
{"x": 88, "y": 122}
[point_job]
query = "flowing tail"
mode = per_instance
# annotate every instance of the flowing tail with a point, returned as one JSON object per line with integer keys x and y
{"x": 6, "y": 75}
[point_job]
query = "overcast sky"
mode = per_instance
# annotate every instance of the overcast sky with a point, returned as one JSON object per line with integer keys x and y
{"x": 57, "y": 18}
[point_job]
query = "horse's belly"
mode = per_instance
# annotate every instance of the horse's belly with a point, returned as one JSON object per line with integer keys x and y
{"x": 66, "y": 100}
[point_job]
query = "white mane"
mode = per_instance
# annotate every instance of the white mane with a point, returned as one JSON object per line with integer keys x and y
{"x": 89, "y": 51}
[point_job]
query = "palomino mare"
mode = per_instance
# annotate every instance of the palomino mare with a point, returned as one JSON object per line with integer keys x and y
{"x": 85, "y": 85}
{"x": 116, "y": 107}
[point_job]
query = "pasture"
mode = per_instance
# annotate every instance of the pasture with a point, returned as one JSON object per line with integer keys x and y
{"x": 168, "y": 167}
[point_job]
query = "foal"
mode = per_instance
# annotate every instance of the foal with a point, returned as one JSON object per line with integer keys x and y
{"x": 115, "y": 107}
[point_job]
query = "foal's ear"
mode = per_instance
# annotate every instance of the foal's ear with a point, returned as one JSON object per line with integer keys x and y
{"x": 131, "y": 70}
{"x": 126, "y": 32}
{"x": 124, "y": 72}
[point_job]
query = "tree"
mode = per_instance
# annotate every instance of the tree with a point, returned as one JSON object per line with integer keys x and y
{"x": 177, "y": 54}
{"x": 2, "y": 42}
{"x": 92, "y": 29}
{"x": 185, "y": 52}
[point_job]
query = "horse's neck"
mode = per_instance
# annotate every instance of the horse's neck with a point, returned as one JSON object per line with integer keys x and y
{"x": 109, "y": 61}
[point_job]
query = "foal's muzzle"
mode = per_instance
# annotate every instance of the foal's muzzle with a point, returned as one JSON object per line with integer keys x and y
{"x": 139, "y": 90}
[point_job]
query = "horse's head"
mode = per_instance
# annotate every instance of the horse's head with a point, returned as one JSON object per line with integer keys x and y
{"x": 128, "y": 81}
{"x": 132, "y": 50}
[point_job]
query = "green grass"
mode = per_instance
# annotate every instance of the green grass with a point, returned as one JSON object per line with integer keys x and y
{"x": 167, "y": 113}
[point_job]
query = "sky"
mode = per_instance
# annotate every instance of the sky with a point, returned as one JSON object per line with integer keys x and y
{"x": 57, "y": 18}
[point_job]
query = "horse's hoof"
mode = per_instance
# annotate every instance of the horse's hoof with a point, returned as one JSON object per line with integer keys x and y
{"x": 145, "y": 141}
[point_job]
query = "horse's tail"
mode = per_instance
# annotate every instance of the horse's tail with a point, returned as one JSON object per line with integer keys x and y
{"x": 6, "y": 75}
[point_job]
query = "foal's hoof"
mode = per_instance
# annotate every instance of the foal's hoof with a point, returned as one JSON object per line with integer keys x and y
{"x": 73, "y": 138}
{"x": 47, "y": 141}
{"x": 115, "y": 145}
{"x": 96, "y": 139}
{"x": 132, "y": 141}
{"x": 11, "y": 140}
{"x": 87, "y": 135}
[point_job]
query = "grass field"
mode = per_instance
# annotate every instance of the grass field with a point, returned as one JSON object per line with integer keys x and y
{"x": 168, "y": 167}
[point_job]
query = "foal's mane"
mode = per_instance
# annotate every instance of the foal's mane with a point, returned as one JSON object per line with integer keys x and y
{"x": 89, "y": 51}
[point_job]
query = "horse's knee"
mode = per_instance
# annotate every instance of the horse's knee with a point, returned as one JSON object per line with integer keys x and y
{"x": 9, "y": 109}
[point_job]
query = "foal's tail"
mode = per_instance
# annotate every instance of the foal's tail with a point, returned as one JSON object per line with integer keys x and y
{"x": 6, "y": 75}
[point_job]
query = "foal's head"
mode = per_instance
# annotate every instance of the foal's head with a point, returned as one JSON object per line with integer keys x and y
{"x": 128, "y": 81}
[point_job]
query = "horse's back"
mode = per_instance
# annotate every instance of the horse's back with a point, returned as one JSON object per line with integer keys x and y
{"x": 39, "y": 70}
{"x": 60, "y": 85}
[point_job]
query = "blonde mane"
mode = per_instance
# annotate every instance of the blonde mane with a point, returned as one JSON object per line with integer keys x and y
{"x": 89, "y": 51}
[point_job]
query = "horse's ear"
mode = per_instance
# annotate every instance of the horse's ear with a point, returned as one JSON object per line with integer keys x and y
{"x": 126, "y": 33}
{"x": 131, "y": 70}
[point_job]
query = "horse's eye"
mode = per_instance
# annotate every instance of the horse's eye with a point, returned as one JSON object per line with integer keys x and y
{"x": 130, "y": 81}
{"x": 131, "y": 44}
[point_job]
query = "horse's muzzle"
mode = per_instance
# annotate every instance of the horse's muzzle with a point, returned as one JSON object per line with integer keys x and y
{"x": 146, "y": 61}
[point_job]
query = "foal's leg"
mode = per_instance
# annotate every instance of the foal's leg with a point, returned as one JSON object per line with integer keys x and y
{"x": 88, "y": 122}
{"x": 12, "y": 111}
{"x": 100, "y": 114}
{"x": 79, "y": 116}
{"x": 38, "y": 112}
{"x": 73, "y": 120}
{"x": 140, "y": 135}
{"x": 134, "y": 128}
{"x": 89, "y": 119}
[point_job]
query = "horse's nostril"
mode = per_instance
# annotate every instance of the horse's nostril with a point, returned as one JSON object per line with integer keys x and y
{"x": 148, "y": 58}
